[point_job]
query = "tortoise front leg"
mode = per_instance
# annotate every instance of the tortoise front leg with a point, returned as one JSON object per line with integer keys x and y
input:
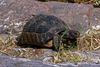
{"x": 56, "y": 42}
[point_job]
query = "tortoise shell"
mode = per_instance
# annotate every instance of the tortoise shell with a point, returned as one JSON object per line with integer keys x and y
{"x": 40, "y": 29}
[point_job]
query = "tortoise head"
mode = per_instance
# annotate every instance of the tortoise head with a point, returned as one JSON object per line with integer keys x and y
{"x": 73, "y": 34}
{"x": 70, "y": 37}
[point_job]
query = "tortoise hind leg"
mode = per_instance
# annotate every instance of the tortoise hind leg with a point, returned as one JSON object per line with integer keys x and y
{"x": 56, "y": 42}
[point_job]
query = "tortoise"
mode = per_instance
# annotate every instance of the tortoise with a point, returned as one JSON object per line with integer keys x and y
{"x": 44, "y": 31}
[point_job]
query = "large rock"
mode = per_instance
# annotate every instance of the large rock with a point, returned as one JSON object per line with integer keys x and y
{"x": 14, "y": 13}
{"x": 6, "y": 61}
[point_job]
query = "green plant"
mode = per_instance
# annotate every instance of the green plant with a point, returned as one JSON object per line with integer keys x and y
{"x": 65, "y": 56}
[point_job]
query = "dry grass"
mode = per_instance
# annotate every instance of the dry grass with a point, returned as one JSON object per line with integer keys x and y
{"x": 7, "y": 43}
{"x": 90, "y": 40}
{"x": 9, "y": 48}
{"x": 65, "y": 56}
